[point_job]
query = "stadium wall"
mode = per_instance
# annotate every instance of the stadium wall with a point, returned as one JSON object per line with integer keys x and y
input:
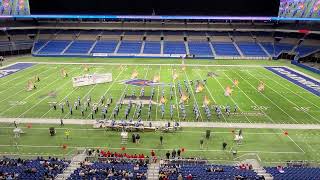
{"x": 305, "y": 67}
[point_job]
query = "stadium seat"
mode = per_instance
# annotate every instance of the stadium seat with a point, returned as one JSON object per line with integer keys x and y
{"x": 130, "y": 47}
{"x": 105, "y": 47}
{"x": 200, "y": 48}
{"x": 79, "y": 47}
{"x": 174, "y": 47}
{"x": 225, "y": 49}
{"x": 251, "y": 49}
{"x": 304, "y": 50}
{"x": 276, "y": 49}
{"x": 152, "y": 47}
{"x": 54, "y": 47}
{"x": 295, "y": 173}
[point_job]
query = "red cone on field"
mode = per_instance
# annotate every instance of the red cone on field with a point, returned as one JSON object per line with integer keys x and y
{"x": 29, "y": 126}
{"x": 64, "y": 146}
{"x": 123, "y": 148}
{"x": 182, "y": 149}
{"x": 286, "y": 133}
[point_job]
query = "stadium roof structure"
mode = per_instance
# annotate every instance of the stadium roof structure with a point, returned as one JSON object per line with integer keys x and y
{"x": 137, "y": 17}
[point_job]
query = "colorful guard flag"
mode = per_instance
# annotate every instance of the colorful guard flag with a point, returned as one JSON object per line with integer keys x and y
{"x": 86, "y": 67}
{"x": 163, "y": 100}
{"x": 156, "y": 79}
{"x": 228, "y": 91}
{"x": 235, "y": 83}
{"x": 175, "y": 75}
{"x": 134, "y": 74}
{"x": 206, "y": 101}
{"x": 183, "y": 98}
{"x": 199, "y": 87}
{"x": 261, "y": 86}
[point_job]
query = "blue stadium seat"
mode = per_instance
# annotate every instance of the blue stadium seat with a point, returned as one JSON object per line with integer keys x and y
{"x": 100, "y": 168}
{"x": 105, "y": 47}
{"x": 152, "y": 47}
{"x": 174, "y": 47}
{"x": 200, "y": 172}
{"x": 200, "y": 48}
{"x": 38, "y": 45}
{"x": 130, "y": 47}
{"x": 276, "y": 49}
{"x": 225, "y": 49}
{"x": 54, "y": 47}
{"x": 79, "y": 47}
{"x": 295, "y": 173}
{"x": 251, "y": 49}
{"x": 306, "y": 50}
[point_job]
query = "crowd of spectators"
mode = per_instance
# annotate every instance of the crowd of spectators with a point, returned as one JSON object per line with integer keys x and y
{"x": 38, "y": 168}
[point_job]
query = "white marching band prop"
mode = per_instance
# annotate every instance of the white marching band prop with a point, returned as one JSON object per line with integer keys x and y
{"x": 90, "y": 79}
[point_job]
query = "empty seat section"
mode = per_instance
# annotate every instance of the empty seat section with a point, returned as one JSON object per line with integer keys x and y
{"x": 54, "y": 47}
{"x": 306, "y": 50}
{"x": 130, "y": 47}
{"x": 200, "y": 48}
{"x": 296, "y": 173}
{"x": 105, "y": 47}
{"x": 225, "y": 49}
{"x": 152, "y": 47}
{"x": 38, "y": 45}
{"x": 251, "y": 49}
{"x": 79, "y": 47}
{"x": 277, "y": 48}
{"x": 174, "y": 47}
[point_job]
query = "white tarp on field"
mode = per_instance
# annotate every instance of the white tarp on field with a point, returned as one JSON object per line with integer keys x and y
{"x": 90, "y": 79}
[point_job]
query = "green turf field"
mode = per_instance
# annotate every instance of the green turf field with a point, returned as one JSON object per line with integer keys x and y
{"x": 271, "y": 146}
{"x": 282, "y": 102}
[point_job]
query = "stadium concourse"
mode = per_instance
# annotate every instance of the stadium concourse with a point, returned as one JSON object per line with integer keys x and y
{"x": 150, "y": 99}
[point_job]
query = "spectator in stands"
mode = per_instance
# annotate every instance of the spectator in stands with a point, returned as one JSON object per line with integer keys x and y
{"x": 161, "y": 140}
{"x": 138, "y": 138}
{"x": 280, "y": 169}
{"x": 173, "y": 154}
{"x": 180, "y": 176}
{"x": 168, "y": 155}
{"x": 179, "y": 153}
{"x": 189, "y": 177}
{"x": 201, "y": 143}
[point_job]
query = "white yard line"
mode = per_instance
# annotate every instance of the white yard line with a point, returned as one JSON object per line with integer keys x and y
{"x": 266, "y": 114}
{"x": 31, "y": 95}
{"x": 204, "y": 65}
{"x": 298, "y": 94}
{"x": 272, "y": 101}
{"x": 194, "y": 97}
{"x": 135, "y": 109}
{"x": 23, "y": 76}
{"x": 287, "y": 98}
{"x": 21, "y": 89}
{"x": 158, "y": 95}
{"x": 230, "y": 96}
{"x": 175, "y": 94}
{"x": 148, "y": 149}
{"x": 60, "y": 87}
{"x": 211, "y": 96}
{"x": 111, "y": 112}
{"x": 74, "y": 89}
{"x": 111, "y": 85}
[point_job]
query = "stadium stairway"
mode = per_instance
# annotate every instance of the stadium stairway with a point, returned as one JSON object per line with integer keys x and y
{"x": 258, "y": 168}
{"x": 75, "y": 164}
{"x": 153, "y": 171}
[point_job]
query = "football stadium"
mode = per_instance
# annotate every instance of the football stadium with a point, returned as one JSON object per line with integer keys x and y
{"x": 160, "y": 90}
